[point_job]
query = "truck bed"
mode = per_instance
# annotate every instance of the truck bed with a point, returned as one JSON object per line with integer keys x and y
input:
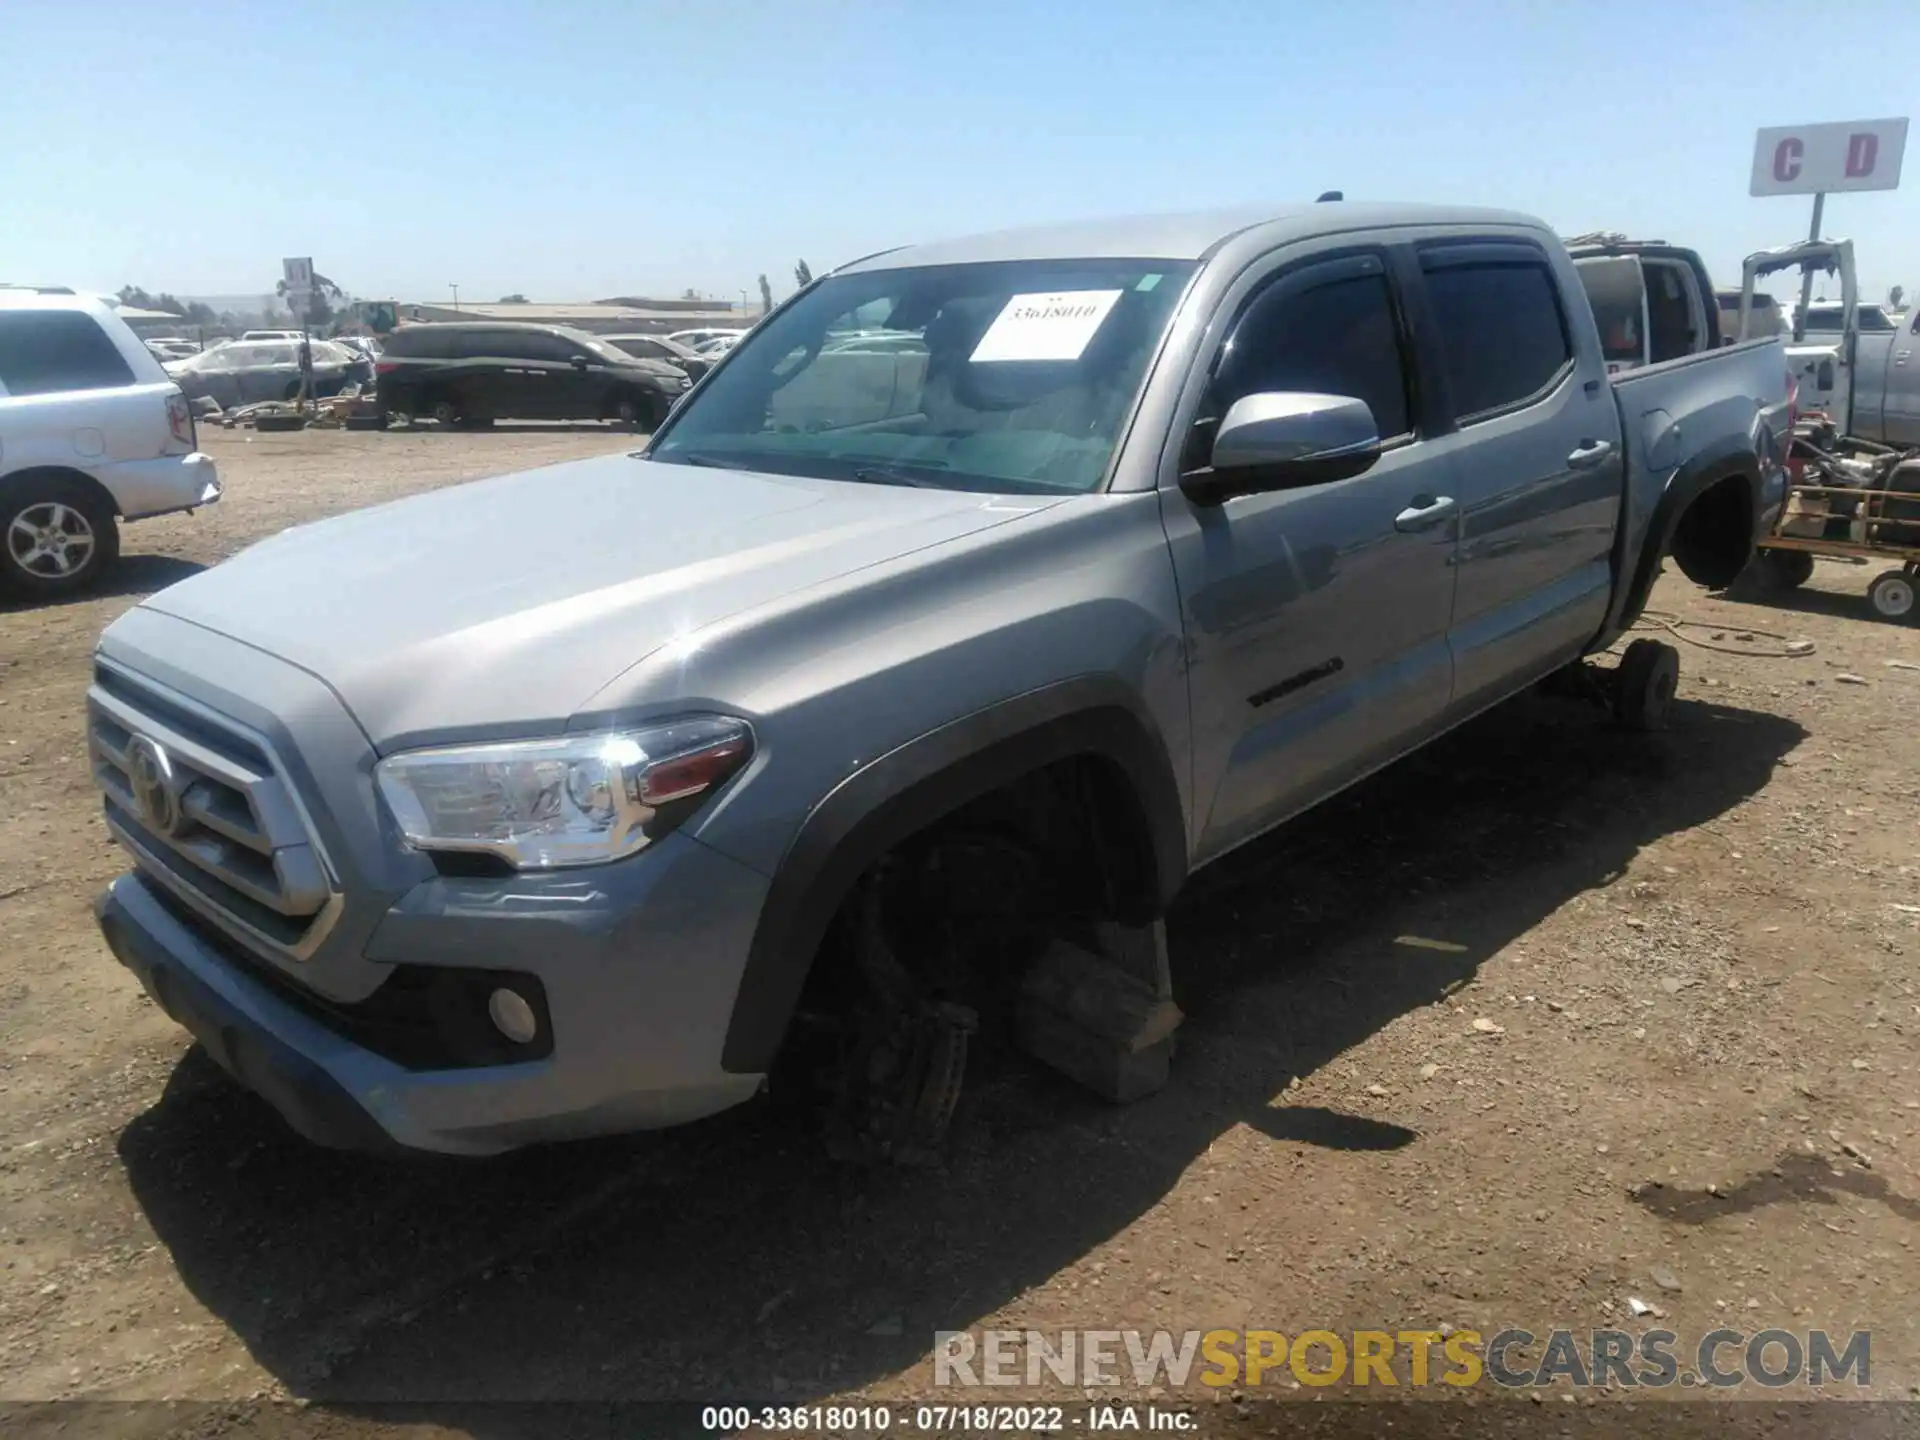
{"x": 1682, "y": 422}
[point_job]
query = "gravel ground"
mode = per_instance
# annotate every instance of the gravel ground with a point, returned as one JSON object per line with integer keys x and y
{"x": 1492, "y": 1040}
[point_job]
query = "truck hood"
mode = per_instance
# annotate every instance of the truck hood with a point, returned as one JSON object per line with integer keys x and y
{"x": 509, "y": 602}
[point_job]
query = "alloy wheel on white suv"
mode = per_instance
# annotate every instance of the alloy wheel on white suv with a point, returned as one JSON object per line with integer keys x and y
{"x": 54, "y": 537}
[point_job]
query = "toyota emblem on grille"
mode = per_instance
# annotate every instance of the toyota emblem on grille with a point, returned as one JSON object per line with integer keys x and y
{"x": 150, "y": 775}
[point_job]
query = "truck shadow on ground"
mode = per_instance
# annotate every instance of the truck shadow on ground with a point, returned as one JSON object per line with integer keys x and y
{"x": 1808, "y": 600}
{"x": 733, "y": 1259}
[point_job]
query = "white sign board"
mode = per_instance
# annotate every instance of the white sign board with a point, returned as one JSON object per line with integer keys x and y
{"x": 1045, "y": 326}
{"x": 298, "y": 273}
{"x": 1808, "y": 159}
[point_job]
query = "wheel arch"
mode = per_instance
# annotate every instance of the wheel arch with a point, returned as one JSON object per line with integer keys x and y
{"x": 1707, "y": 519}
{"x": 918, "y": 784}
{"x": 14, "y": 479}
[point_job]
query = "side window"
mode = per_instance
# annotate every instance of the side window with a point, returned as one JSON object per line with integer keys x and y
{"x": 485, "y": 345}
{"x": 43, "y": 352}
{"x": 1501, "y": 328}
{"x": 1616, "y": 291}
{"x": 1336, "y": 338}
{"x": 537, "y": 345}
{"x": 1669, "y": 312}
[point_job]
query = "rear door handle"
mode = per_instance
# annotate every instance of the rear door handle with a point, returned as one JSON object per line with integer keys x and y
{"x": 1424, "y": 513}
{"x": 1900, "y": 356}
{"x": 1592, "y": 454}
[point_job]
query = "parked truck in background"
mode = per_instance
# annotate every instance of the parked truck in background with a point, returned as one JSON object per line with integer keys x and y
{"x": 877, "y": 716}
{"x": 1858, "y": 363}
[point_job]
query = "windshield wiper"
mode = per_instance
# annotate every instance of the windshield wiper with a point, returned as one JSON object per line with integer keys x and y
{"x": 879, "y": 475}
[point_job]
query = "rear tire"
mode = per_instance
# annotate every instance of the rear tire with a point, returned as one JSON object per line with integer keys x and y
{"x": 58, "y": 536}
{"x": 1785, "y": 569}
{"x": 445, "y": 413}
{"x": 1892, "y": 595}
{"x": 635, "y": 412}
{"x": 1645, "y": 684}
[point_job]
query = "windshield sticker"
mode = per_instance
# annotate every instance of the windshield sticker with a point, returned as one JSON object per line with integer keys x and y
{"x": 1147, "y": 282}
{"x": 1045, "y": 327}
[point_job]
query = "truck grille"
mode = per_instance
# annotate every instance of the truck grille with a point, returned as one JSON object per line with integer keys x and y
{"x": 205, "y": 811}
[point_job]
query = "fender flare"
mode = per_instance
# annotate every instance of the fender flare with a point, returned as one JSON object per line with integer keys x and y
{"x": 910, "y": 787}
{"x": 1722, "y": 462}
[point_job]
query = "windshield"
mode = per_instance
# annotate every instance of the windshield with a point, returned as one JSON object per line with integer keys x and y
{"x": 1012, "y": 377}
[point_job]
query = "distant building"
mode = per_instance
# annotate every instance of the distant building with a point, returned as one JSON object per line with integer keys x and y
{"x": 648, "y": 317}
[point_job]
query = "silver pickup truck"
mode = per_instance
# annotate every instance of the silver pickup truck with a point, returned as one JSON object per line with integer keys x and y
{"x": 881, "y": 705}
{"x": 1856, "y": 362}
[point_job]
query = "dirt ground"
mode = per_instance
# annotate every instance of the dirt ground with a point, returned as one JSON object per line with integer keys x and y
{"x": 1486, "y": 1042}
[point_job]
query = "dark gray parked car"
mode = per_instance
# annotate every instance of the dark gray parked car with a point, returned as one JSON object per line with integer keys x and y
{"x": 659, "y": 347}
{"x": 251, "y": 370}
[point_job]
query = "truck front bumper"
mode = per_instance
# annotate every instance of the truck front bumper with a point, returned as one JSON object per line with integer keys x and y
{"x": 639, "y": 964}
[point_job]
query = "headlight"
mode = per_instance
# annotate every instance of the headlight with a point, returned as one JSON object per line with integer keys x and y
{"x": 582, "y": 800}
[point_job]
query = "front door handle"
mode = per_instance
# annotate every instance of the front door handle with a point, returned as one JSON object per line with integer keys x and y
{"x": 1425, "y": 513}
{"x": 1592, "y": 454}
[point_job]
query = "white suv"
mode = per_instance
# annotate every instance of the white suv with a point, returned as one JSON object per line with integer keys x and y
{"x": 91, "y": 432}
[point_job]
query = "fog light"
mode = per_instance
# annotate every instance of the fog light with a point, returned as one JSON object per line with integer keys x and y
{"x": 512, "y": 1016}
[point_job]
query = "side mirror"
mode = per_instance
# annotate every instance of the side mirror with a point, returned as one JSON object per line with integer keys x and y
{"x": 1285, "y": 439}
{"x": 580, "y": 362}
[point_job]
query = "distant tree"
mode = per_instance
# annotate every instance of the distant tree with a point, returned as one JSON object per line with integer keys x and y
{"x": 766, "y": 295}
{"x": 320, "y": 303}
{"x": 514, "y": 299}
{"x": 803, "y": 274}
{"x": 1895, "y": 296}
{"x": 139, "y": 299}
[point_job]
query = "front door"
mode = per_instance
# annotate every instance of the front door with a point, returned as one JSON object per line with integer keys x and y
{"x": 1316, "y": 618}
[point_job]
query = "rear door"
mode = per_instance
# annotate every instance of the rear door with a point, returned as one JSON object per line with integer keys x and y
{"x": 496, "y": 378}
{"x": 1537, "y": 459}
{"x": 1316, "y": 617}
{"x": 541, "y": 376}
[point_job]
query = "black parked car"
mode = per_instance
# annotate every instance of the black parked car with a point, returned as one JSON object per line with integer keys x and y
{"x": 471, "y": 374}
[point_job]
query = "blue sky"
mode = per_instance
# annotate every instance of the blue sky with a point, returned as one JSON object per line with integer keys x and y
{"x": 571, "y": 150}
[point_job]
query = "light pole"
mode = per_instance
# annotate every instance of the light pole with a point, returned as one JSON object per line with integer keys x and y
{"x": 456, "y": 294}
{"x": 743, "y": 302}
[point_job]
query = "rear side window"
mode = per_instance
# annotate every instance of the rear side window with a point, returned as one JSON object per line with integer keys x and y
{"x": 486, "y": 345}
{"x": 43, "y": 352}
{"x": 1501, "y": 328}
{"x": 1339, "y": 338}
{"x": 539, "y": 345}
{"x": 1615, "y": 291}
{"x": 425, "y": 343}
